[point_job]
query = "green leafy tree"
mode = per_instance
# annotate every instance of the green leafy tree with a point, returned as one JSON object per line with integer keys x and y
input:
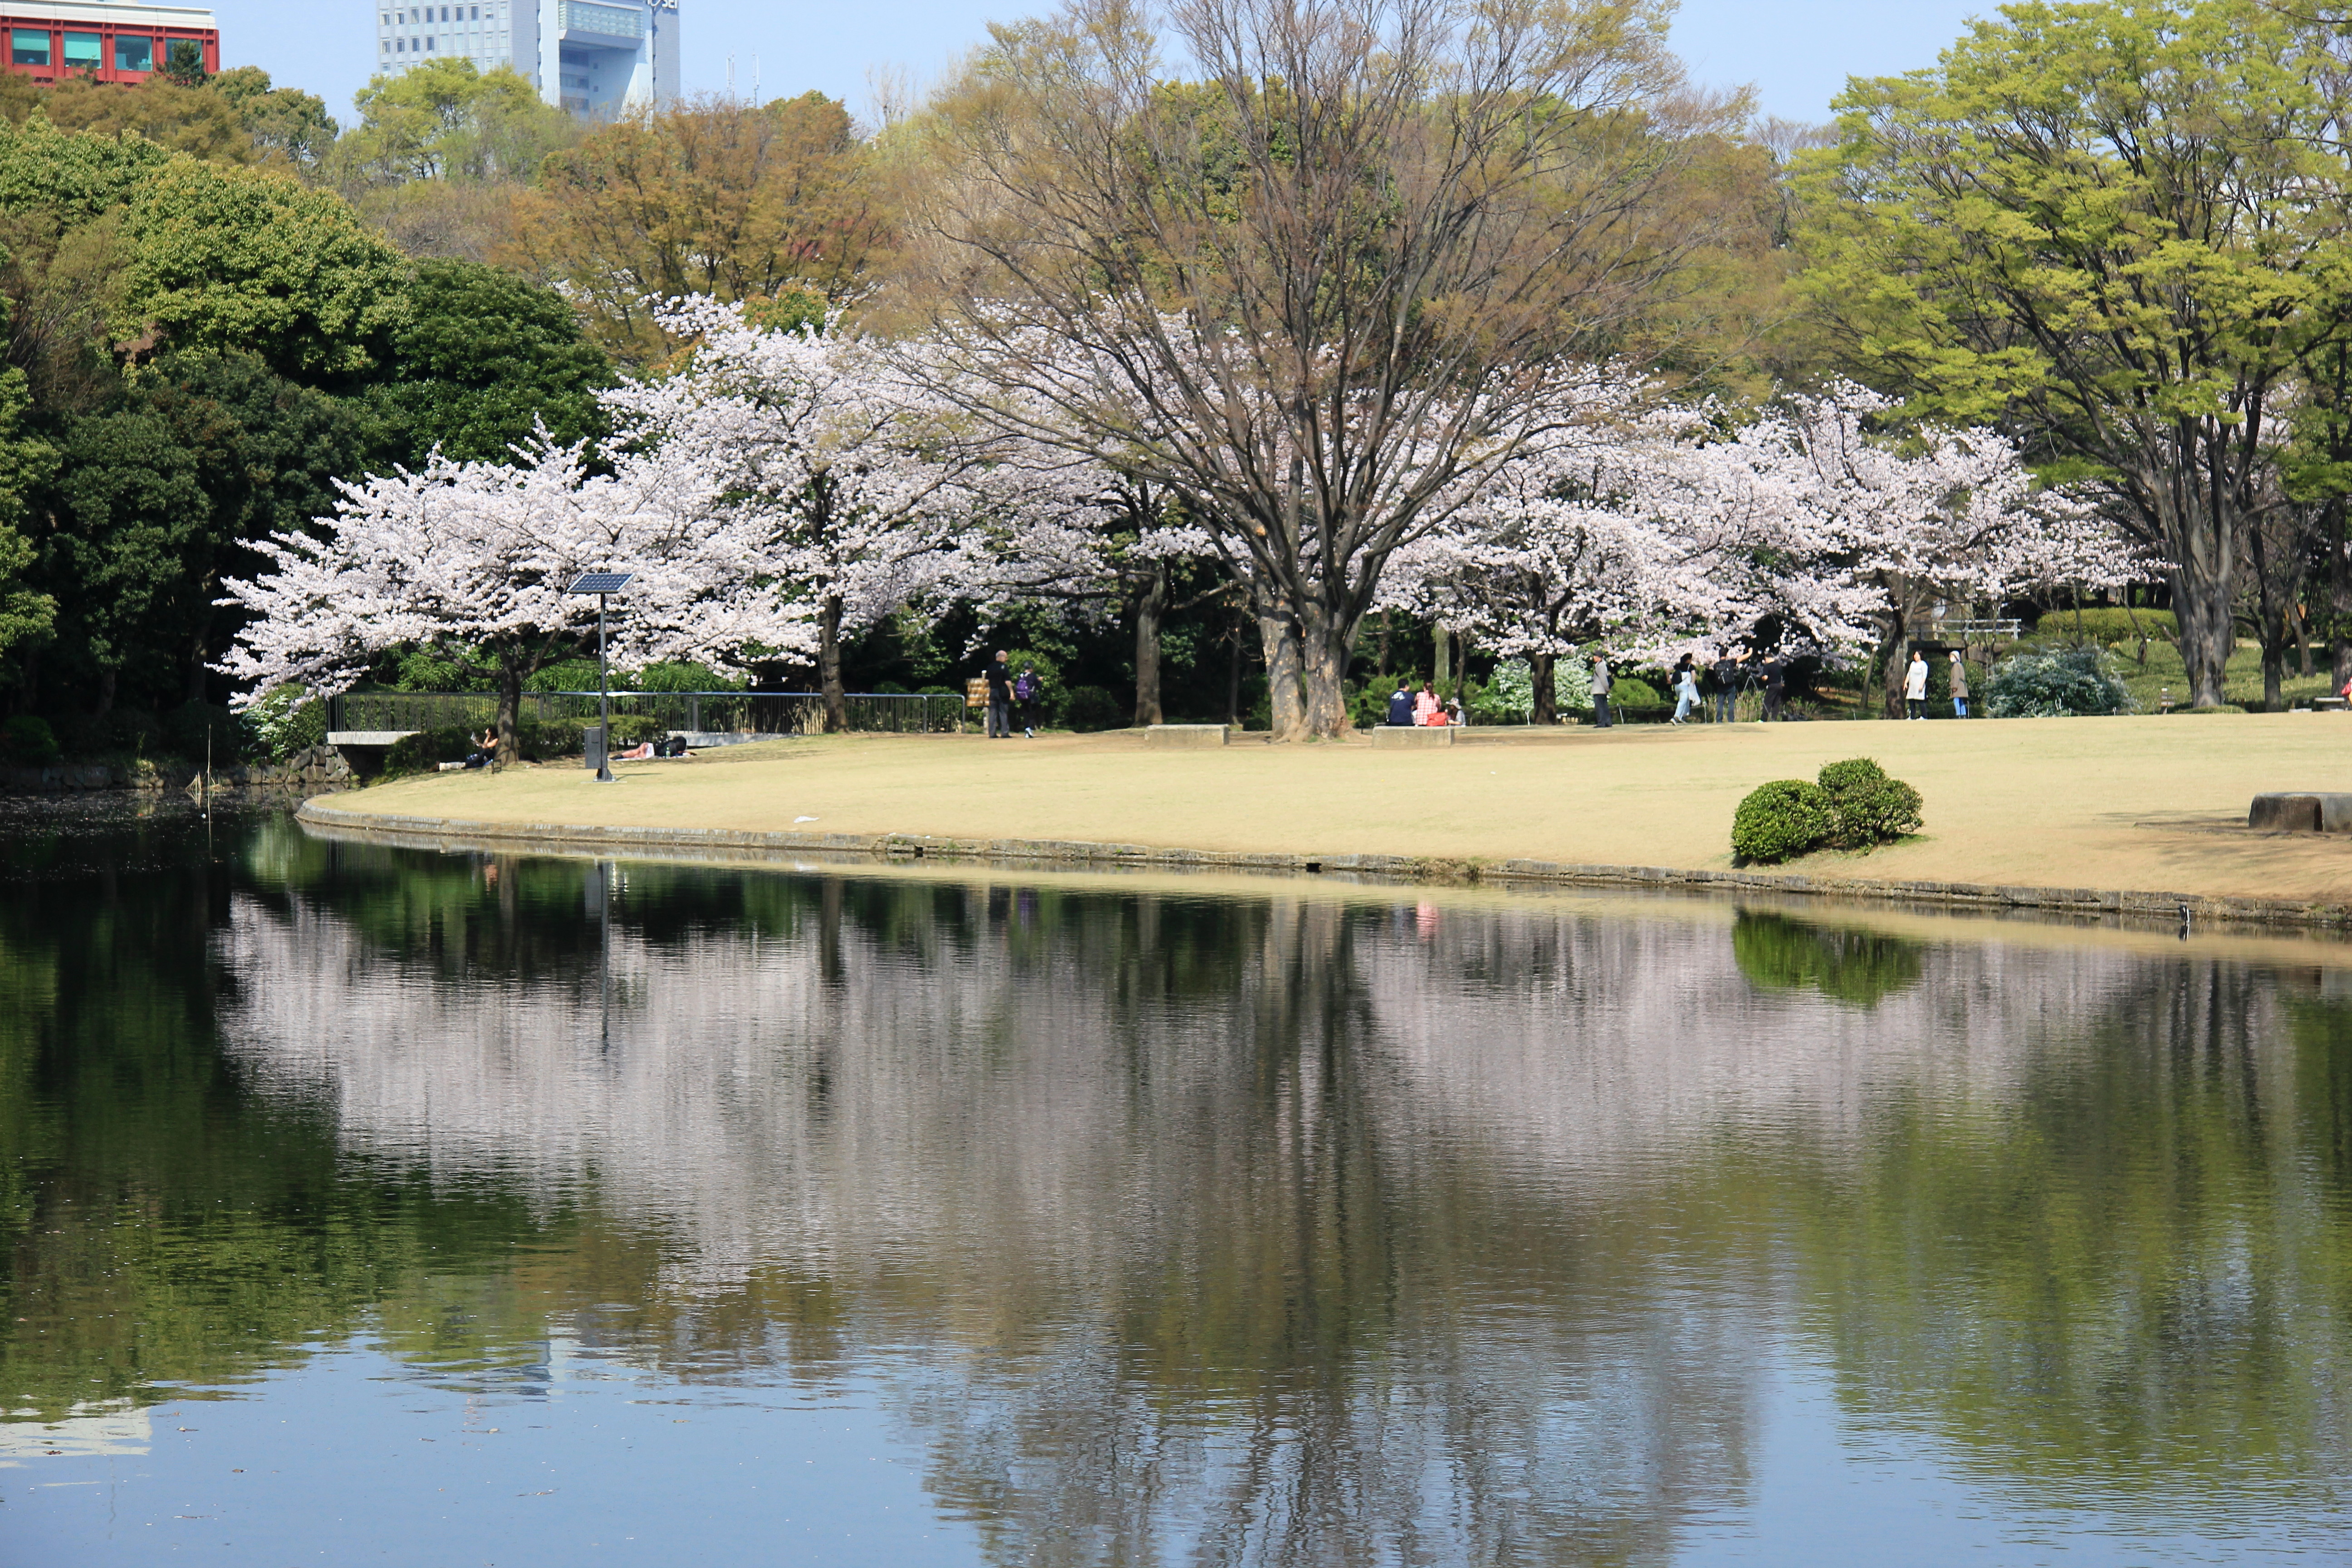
{"x": 158, "y": 497}
{"x": 445, "y": 119}
{"x": 2115, "y": 223}
{"x": 26, "y": 613}
{"x": 481, "y": 357}
{"x": 283, "y": 122}
{"x": 251, "y": 261}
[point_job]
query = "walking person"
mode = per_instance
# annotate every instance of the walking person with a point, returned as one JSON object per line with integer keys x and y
{"x": 1028, "y": 691}
{"x": 1000, "y": 698}
{"x": 1959, "y": 685}
{"x": 1727, "y": 671}
{"x": 1915, "y": 686}
{"x": 1685, "y": 689}
{"x": 1776, "y": 687}
{"x": 1600, "y": 690}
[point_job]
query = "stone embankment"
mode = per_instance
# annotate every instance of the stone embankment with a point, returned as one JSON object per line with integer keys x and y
{"x": 315, "y": 770}
{"x": 2138, "y": 907}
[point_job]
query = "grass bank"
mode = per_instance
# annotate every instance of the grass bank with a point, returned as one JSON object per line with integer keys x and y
{"x": 2142, "y": 804}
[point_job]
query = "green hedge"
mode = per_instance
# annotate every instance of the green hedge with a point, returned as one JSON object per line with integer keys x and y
{"x": 27, "y": 741}
{"x": 1780, "y": 820}
{"x": 2077, "y": 682}
{"x": 2108, "y": 625}
{"x": 1852, "y": 806}
{"x": 427, "y": 749}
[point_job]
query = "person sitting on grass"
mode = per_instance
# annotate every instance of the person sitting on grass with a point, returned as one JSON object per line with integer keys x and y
{"x": 1400, "y": 702}
{"x": 486, "y": 751}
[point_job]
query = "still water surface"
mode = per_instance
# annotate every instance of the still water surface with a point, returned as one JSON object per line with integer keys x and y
{"x": 369, "y": 1205}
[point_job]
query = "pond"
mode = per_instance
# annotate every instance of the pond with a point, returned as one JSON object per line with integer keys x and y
{"x": 365, "y": 1204}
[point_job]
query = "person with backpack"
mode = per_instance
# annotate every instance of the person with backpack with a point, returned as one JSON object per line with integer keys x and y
{"x": 1027, "y": 690}
{"x": 1727, "y": 673}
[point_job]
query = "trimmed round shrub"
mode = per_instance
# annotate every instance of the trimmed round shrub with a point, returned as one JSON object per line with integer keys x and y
{"x": 1850, "y": 774}
{"x": 1877, "y": 813}
{"x": 1629, "y": 691}
{"x": 1781, "y": 819}
{"x": 27, "y": 741}
{"x": 1867, "y": 808}
{"x": 2072, "y": 681}
{"x": 1092, "y": 708}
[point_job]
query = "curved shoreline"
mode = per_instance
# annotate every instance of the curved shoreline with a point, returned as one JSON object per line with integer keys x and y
{"x": 902, "y": 847}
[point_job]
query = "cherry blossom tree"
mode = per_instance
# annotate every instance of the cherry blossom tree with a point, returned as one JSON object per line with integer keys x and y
{"x": 1073, "y": 531}
{"x": 837, "y": 481}
{"x": 1651, "y": 530}
{"x": 478, "y": 555}
{"x": 1938, "y": 514}
{"x": 1636, "y": 526}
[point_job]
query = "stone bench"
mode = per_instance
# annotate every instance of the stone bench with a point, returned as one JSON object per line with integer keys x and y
{"x": 1413, "y": 735}
{"x": 1185, "y": 735}
{"x": 2301, "y": 813}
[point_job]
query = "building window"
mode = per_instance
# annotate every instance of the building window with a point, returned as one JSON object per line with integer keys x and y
{"x": 82, "y": 52}
{"x": 133, "y": 54}
{"x": 400, "y": 46}
{"x": 431, "y": 47}
{"x": 28, "y": 46}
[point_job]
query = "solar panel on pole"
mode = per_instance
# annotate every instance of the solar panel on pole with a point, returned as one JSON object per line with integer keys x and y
{"x": 602, "y": 583}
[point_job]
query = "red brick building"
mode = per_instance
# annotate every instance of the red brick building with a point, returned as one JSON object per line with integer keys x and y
{"x": 113, "y": 43}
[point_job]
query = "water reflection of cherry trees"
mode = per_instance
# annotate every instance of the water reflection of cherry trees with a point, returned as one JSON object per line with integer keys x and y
{"x": 1294, "y": 1230}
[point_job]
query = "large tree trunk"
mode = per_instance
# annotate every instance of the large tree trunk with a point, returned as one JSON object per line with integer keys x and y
{"x": 1891, "y": 661}
{"x": 828, "y": 666}
{"x": 2339, "y": 596}
{"x": 1150, "y": 605}
{"x": 2202, "y": 535}
{"x": 511, "y": 705}
{"x": 1543, "y": 675}
{"x": 1324, "y": 652}
{"x": 1278, "y": 633}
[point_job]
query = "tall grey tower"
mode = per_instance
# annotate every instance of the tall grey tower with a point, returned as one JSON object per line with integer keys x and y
{"x": 591, "y": 57}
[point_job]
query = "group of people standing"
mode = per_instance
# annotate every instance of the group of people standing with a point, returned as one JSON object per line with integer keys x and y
{"x": 1012, "y": 698}
{"x": 1915, "y": 686}
{"x": 1730, "y": 675}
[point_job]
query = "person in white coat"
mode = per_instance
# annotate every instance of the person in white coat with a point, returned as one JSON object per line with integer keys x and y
{"x": 1915, "y": 686}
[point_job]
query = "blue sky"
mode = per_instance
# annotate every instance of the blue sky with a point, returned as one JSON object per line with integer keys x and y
{"x": 1797, "y": 53}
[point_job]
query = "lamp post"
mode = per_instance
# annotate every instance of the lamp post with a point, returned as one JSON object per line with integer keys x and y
{"x": 602, "y": 585}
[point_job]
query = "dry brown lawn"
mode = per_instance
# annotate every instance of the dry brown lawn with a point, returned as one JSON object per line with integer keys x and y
{"x": 2152, "y": 804}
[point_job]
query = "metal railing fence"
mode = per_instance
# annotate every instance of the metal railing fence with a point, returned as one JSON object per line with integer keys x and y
{"x": 700, "y": 712}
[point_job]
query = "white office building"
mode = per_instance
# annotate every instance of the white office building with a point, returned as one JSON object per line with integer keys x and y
{"x": 591, "y": 57}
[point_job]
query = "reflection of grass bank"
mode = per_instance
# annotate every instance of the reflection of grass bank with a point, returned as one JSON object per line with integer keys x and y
{"x": 2131, "y": 802}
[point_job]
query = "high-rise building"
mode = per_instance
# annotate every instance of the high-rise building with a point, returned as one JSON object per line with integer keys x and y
{"x": 592, "y": 57}
{"x": 113, "y": 43}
